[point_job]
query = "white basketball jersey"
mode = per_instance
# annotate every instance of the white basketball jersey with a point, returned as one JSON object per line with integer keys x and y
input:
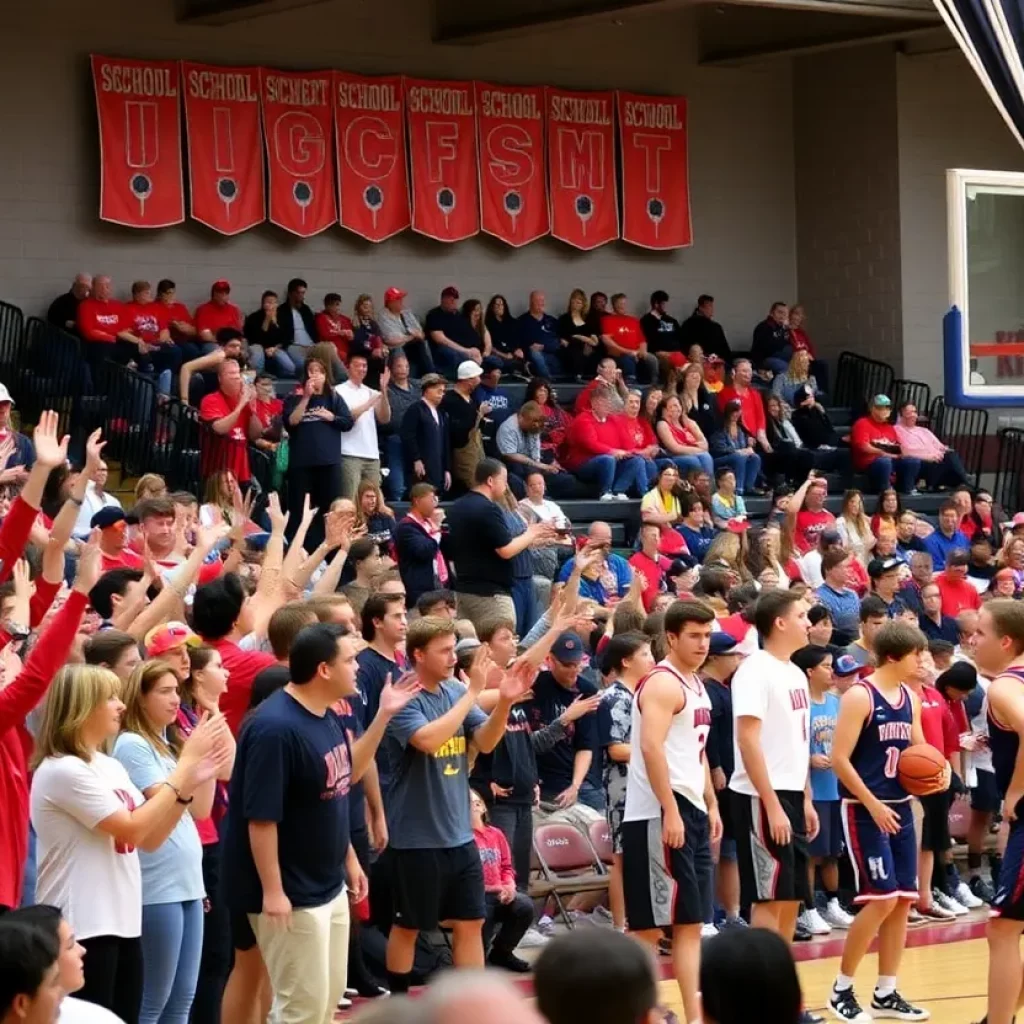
{"x": 684, "y": 749}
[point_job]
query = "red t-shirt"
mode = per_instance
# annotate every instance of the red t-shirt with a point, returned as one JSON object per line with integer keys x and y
{"x": 654, "y": 573}
{"x": 867, "y": 431}
{"x": 751, "y": 408}
{"x": 128, "y": 559}
{"x": 625, "y": 331}
{"x": 242, "y": 667}
{"x": 225, "y": 451}
{"x": 100, "y": 321}
{"x": 329, "y": 328}
{"x": 174, "y": 311}
{"x": 937, "y": 722}
{"x": 957, "y": 595}
{"x": 800, "y": 341}
{"x": 144, "y": 321}
{"x": 266, "y": 411}
{"x": 636, "y": 434}
{"x": 588, "y": 436}
{"x": 809, "y": 526}
{"x": 213, "y": 317}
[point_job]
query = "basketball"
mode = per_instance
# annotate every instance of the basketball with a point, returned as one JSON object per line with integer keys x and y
{"x": 920, "y": 769}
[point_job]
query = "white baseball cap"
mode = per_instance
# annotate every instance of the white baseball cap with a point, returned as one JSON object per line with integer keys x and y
{"x": 5, "y": 395}
{"x": 466, "y": 370}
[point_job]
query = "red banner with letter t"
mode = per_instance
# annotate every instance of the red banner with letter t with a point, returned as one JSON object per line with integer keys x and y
{"x": 137, "y": 102}
{"x": 298, "y": 119}
{"x": 655, "y": 183}
{"x": 225, "y": 150}
{"x": 442, "y": 144}
{"x": 581, "y": 167}
{"x": 373, "y": 180}
{"x": 510, "y": 136}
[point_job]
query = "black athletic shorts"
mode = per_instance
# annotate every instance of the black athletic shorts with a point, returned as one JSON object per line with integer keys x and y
{"x": 663, "y": 886}
{"x": 935, "y": 837}
{"x": 1009, "y": 901}
{"x": 243, "y": 938}
{"x": 985, "y": 795}
{"x": 431, "y": 886}
{"x": 726, "y": 798}
{"x": 769, "y": 872}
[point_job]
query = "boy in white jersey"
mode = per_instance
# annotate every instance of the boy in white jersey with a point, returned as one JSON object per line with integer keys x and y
{"x": 671, "y": 816}
{"x": 775, "y": 817}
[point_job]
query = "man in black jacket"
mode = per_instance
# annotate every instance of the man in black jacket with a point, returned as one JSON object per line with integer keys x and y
{"x": 425, "y": 439}
{"x": 660, "y": 329}
{"x": 702, "y": 329}
{"x": 297, "y": 322}
{"x": 771, "y": 347}
{"x": 63, "y": 311}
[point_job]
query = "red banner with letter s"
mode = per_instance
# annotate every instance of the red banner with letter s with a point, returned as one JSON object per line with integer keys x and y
{"x": 225, "y": 151}
{"x": 655, "y": 184}
{"x": 581, "y": 163}
{"x": 373, "y": 180}
{"x": 298, "y": 115}
{"x": 140, "y": 142}
{"x": 442, "y": 144}
{"x": 510, "y": 137}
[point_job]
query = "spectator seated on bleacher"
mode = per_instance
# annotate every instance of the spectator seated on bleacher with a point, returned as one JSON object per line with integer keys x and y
{"x": 801, "y": 342}
{"x": 797, "y": 375}
{"x": 877, "y": 452}
{"x": 752, "y": 415}
{"x": 940, "y": 464}
{"x": 701, "y": 329}
{"x": 812, "y": 423}
{"x": 610, "y": 377}
{"x": 402, "y": 332}
{"x": 63, "y": 311}
{"x": 623, "y": 338}
{"x": 268, "y": 338}
{"x": 452, "y": 338}
{"x": 681, "y": 439}
{"x": 699, "y": 404}
{"x": 489, "y": 390}
{"x": 23, "y": 456}
{"x": 575, "y": 329}
{"x": 771, "y": 347}
{"x": 506, "y": 335}
{"x": 732, "y": 447}
{"x": 546, "y": 352}
{"x": 519, "y": 446}
{"x": 218, "y": 314}
{"x": 662, "y": 330}
{"x": 595, "y": 453}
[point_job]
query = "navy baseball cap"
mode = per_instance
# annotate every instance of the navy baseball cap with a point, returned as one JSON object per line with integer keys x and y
{"x": 568, "y": 649}
{"x": 845, "y": 665}
{"x": 880, "y": 566}
{"x": 722, "y": 643}
{"x": 491, "y": 363}
{"x": 107, "y": 517}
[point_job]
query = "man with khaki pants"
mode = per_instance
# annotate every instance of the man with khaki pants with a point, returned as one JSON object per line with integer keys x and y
{"x": 360, "y": 449}
{"x": 287, "y": 855}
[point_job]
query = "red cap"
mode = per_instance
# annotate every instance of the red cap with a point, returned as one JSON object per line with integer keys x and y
{"x": 166, "y": 637}
{"x": 451, "y": 292}
{"x": 394, "y": 294}
{"x": 221, "y": 285}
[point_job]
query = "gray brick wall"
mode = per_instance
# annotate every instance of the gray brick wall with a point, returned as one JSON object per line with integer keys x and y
{"x": 741, "y": 163}
{"x": 847, "y": 200}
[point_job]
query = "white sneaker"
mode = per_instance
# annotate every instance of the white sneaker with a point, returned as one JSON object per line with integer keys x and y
{"x": 948, "y": 903}
{"x": 602, "y": 915}
{"x": 834, "y": 915}
{"x": 344, "y": 1003}
{"x": 608, "y": 497}
{"x": 708, "y": 931}
{"x": 546, "y": 926}
{"x": 622, "y": 497}
{"x": 966, "y": 898}
{"x": 532, "y": 939}
{"x": 813, "y": 922}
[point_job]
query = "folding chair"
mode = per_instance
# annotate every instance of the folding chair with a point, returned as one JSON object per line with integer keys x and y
{"x": 600, "y": 836}
{"x": 568, "y": 864}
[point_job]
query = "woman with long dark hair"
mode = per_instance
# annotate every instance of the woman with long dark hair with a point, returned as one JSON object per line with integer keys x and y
{"x": 473, "y": 311}
{"x": 315, "y": 416}
{"x": 733, "y": 447}
{"x": 506, "y": 335}
{"x": 681, "y": 438}
{"x": 556, "y": 419}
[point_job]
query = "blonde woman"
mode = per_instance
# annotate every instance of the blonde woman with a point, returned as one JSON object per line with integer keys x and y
{"x": 172, "y": 876}
{"x": 729, "y": 550}
{"x": 695, "y": 398}
{"x": 797, "y": 374}
{"x": 575, "y": 328}
{"x": 150, "y": 485}
{"x": 220, "y": 496}
{"x": 854, "y": 526}
{"x": 89, "y": 818}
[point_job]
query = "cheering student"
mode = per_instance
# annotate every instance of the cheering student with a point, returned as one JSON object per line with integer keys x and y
{"x": 878, "y": 719}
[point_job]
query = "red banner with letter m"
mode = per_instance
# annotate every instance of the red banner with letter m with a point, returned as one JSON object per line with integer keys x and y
{"x": 655, "y": 185}
{"x": 581, "y": 167}
{"x": 138, "y": 105}
{"x": 298, "y": 119}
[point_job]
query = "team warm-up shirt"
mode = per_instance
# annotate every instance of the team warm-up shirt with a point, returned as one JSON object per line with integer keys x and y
{"x": 776, "y": 693}
{"x": 428, "y": 800}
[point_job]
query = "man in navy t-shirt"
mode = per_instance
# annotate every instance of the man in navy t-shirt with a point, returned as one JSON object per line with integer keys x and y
{"x": 286, "y": 847}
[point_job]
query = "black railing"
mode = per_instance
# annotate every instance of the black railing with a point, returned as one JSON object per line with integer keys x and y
{"x": 965, "y": 430}
{"x": 1009, "y": 489}
{"x": 12, "y": 340}
{"x": 859, "y": 379}
{"x": 50, "y": 374}
{"x": 911, "y": 391}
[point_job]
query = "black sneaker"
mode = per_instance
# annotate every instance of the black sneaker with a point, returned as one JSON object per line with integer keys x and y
{"x": 801, "y": 934}
{"x": 844, "y": 1006}
{"x": 511, "y": 962}
{"x": 806, "y": 1017}
{"x": 895, "y": 1006}
{"x": 982, "y": 889}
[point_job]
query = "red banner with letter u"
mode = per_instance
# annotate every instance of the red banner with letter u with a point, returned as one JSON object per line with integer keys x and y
{"x": 581, "y": 166}
{"x": 137, "y": 102}
{"x": 373, "y": 181}
{"x": 298, "y": 118}
{"x": 442, "y": 144}
{"x": 225, "y": 151}
{"x": 655, "y": 185}
{"x": 510, "y": 137}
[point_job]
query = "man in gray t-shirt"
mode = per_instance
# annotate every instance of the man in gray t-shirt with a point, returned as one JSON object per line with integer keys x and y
{"x": 436, "y": 870}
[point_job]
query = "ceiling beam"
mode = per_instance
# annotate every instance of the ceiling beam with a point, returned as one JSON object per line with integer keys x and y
{"x": 911, "y": 9}
{"x": 227, "y": 12}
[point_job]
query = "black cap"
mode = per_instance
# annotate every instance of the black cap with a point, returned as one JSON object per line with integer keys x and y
{"x": 491, "y": 363}
{"x": 880, "y": 566}
{"x": 107, "y": 517}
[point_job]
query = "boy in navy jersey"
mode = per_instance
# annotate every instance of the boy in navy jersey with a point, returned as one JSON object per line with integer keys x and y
{"x": 878, "y": 719}
{"x": 999, "y": 653}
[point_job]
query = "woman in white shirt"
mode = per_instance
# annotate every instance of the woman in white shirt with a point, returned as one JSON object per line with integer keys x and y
{"x": 172, "y": 876}
{"x": 89, "y": 818}
{"x": 855, "y": 527}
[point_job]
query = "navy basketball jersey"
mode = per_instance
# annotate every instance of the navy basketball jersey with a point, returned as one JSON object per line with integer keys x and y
{"x": 885, "y": 735}
{"x": 1003, "y": 743}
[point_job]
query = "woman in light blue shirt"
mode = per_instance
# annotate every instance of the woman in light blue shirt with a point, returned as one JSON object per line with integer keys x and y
{"x": 172, "y": 875}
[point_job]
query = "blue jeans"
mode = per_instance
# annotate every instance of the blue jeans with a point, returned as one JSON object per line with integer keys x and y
{"x": 280, "y": 363}
{"x": 164, "y": 362}
{"x": 524, "y": 597}
{"x": 950, "y": 471}
{"x": 172, "y": 944}
{"x": 746, "y": 468}
{"x": 684, "y": 463}
{"x": 544, "y": 364}
{"x": 592, "y": 796}
{"x": 418, "y": 354}
{"x": 620, "y": 476}
{"x": 394, "y": 482}
{"x": 446, "y": 360}
{"x": 778, "y": 363}
{"x": 881, "y": 470}
{"x": 28, "y": 881}
{"x": 630, "y": 364}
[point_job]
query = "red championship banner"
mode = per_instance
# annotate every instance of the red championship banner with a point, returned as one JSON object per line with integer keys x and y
{"x": 140, "y": 142}
{"x": 298, "y": 113}
{"x": 225, "y": 150}
{"x": 442, "y": 144}
{"x": 581, "y": 168}
{"x": 373, "y": 180}
{"x": 510, "y": 137}
{"x": 655, "y": 184}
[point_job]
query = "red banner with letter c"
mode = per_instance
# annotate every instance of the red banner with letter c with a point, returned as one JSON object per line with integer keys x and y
{"x": 510, "y": 138}
{"x": 298, "y": 119}
{"x": 442, "y": 144}
{"x": 581, "y": 166}
{"x": 225, "y": 149}
{"x": 137, "y": 103}
{"x": 373, "y": 181}
{"x": 655, "y": 183}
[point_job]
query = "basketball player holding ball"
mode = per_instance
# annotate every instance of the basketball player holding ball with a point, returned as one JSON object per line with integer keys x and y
{"x": 879, "y": 718}
{"x": 999, "y": 653}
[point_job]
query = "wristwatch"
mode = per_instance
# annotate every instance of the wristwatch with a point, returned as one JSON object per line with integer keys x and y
{"x": 15, "y": 630}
